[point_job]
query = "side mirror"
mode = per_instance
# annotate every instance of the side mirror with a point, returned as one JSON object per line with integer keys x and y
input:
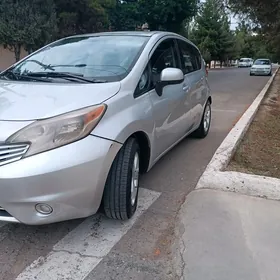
{"x": 169, "y": 76}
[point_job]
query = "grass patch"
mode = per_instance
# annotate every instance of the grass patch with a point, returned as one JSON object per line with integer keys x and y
{"x": 259, "y": 151}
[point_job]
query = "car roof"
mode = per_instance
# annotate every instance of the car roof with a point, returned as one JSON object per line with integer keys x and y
{"x": 129, "y": 33}
{"x": 122, "y": 33}
{"x": 149, "y": 34}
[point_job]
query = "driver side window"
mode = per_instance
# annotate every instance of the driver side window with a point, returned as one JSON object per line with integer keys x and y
{"x": 165, "y": 56}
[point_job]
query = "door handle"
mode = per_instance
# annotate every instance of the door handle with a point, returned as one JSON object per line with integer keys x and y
{"x": 186, "y": 88}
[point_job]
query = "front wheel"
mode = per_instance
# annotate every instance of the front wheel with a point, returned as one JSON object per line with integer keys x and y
{"x": 205, "y": 123}
{"x": 120, "y": 196}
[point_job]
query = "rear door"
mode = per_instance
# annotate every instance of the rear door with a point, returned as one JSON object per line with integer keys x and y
{"x": 195, "y": 81}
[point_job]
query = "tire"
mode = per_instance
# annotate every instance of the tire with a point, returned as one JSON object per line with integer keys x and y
{"x": 117, "y": 198}
{"x": 202, "y": 131}
{"x": 251, "y": 74}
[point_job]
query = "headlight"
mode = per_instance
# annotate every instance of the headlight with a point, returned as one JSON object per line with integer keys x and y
{"x": 57, "y": 131}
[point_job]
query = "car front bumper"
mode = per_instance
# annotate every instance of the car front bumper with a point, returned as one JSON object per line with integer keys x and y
{"x": 260, "y": 71}
{"x": 70, "y": 179}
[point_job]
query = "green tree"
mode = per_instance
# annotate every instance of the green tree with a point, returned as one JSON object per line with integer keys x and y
{"x": 82, "y": 16}
{"x": 226, "y": 39}
{"x": 28, "y": 23}
{"x": 249, "y": 43}
{"x": 167, "y": 15}
{"x": 266, "y": 17}
{"x": 211, "y": 31}
{"x": 243, "y": 34}
{"x": 125, "y": 16}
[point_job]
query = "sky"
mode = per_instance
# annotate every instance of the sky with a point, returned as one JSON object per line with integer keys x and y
{"x": 234, "y": 23}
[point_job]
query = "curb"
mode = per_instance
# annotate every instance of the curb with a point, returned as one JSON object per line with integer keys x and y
{"x": 214, "y": 176}
{"x": 223, "y": 68}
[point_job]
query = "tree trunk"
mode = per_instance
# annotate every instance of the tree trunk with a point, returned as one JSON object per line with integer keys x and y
{"x": 17, "y": 49}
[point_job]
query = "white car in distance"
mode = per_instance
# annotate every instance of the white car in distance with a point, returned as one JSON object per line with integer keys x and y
{"x": 245, "y": 62}
{"x": 261, "y": 67}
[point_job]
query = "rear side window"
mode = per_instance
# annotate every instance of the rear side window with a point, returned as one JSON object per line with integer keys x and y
{"x": 190, "y": 57}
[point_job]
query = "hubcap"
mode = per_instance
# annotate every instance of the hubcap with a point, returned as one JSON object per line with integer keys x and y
{"x": 207, "y": 118}
{"x": 135, "y": 178}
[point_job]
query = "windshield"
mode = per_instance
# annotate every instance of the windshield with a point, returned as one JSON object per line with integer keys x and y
{"x": 244, "y": 60}
{"x": 97, "y": 57}
{"x": 262, "y": 62}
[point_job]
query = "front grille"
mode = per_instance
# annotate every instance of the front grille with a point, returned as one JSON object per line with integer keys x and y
{"x": 12, "y": 152}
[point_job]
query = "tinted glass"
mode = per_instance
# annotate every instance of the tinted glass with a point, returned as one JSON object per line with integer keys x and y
{"x": 109, "y": 57}
{"x": 262, "y": 62}
{"x": 191, "y": 59}
{"x": 165, "y": 56}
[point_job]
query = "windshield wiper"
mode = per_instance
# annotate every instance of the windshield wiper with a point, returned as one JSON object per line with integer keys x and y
{"x": 18, "y": 77}
{"x": 67, "y": 65}
{"x": 64, "y": 75}
{"x": 9, "y": 72}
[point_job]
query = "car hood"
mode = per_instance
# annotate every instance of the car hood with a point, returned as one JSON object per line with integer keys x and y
{"x": 22, "y": 101}
{"x": 260, "y": 66}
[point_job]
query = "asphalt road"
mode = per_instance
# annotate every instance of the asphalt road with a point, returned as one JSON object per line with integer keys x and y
{"x": 146, "y": 251}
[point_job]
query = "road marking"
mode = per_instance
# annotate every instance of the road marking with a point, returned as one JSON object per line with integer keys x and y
{"x": 81, "y": 250}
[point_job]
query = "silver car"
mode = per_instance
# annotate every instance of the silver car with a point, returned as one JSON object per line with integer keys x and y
{"x": 81, "y": 118}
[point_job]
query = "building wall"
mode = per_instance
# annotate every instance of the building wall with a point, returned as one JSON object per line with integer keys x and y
{"x": 7, "y": 57}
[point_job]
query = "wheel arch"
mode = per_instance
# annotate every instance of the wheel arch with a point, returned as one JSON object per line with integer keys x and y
{"x": 145, "y": 149}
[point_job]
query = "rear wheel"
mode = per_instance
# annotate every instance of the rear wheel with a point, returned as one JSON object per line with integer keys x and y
{"x": 121, "y": 189}
{"x": 205, "y": 123}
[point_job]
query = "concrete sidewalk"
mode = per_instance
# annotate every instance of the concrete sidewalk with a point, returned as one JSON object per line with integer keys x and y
{"x": 228, "y": 236}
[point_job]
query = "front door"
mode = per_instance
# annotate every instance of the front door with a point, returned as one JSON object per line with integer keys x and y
{"x": 169, "y": 109}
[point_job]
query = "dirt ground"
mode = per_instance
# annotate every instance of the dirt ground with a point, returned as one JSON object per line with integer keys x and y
{"x": 259, "y": 151}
